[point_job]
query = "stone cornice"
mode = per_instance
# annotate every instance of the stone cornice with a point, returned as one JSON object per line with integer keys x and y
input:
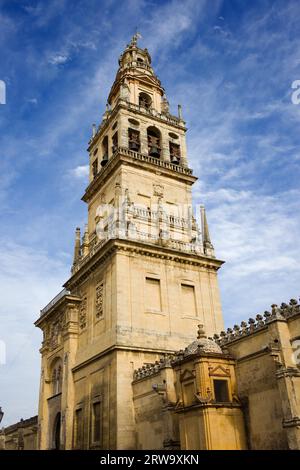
{"x": 184, "y": 409}
{"x": 142, "y": 248}
{"x": 292, "y": 422}
{"x": 119, "y": 348}
{"x": 121, "y": 104}
{"x": 284, "y": 372}
{"x": 128, "y": 157}
{"x": 62, "y": 302}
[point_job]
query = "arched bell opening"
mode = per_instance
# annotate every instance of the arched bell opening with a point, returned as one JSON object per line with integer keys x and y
{"x": 104, "y": 151}
{"x": 134, "y": 140}
{"x": 154, "y": 142}
{"x": 175, "y": 153}
{"x": 145, "y": 100}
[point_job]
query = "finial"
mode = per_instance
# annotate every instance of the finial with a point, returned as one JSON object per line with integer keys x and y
{"x": 207, "y": 245}
{"x": 205, "y": 231}
{"x": 94, "y": 130}
{"x": 85, "y": 241}
{"x": 180, "y": 111}
{"x": 77, "y": 245}
{"x": 201, "y": 332}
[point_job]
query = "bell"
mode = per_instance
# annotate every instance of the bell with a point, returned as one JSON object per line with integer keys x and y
{"x": 154, "y": 151}
{"x": 104, "y": 160}
{"x": 133, "y": 145}
{"x": 175, "y": 159}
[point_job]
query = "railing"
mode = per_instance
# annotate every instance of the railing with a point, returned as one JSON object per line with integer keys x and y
{"x": 151, "y": 112}
{"x": 138, "y": 235}
{"x": 144, "y": 158}
{"x": 139, "y": 64}
{"x": 96, "y": 247}
{"x": 54, "y": 301}
{"x": 153, "y": 215}
{"x": 155, "y": 161}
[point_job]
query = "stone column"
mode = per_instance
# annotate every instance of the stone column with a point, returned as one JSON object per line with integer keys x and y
{"x": 165, "y": 145}
{"x": 68, "y": 395}
{"x": 143, "y": 139}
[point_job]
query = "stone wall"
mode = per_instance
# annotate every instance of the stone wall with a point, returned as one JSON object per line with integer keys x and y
{"x": 20, "y": 436}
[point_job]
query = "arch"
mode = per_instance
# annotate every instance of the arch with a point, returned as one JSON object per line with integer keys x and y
{"x": 133, "y": 139}
{"x": 175, "y": 153}
{"x": 56, "y": 375}
{"x": 154, "y": 142}
{"x": 104, "y": 151}
{"x": 145, "y": 100}
{"x": 56, "y": 432}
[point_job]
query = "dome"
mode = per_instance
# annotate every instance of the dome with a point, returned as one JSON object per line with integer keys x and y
{"x": 202, "y": 344}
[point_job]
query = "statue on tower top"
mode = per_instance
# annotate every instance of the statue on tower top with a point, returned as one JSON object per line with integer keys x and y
{"x": 135, "y": 38}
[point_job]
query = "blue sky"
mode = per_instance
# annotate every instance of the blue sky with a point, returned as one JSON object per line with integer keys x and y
{"x": 229, "y": 63}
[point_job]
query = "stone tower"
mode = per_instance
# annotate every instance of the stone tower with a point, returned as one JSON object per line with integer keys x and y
{"x": 144, "y": 274}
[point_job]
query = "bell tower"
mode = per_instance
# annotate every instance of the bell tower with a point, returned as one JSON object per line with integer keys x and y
{"x": 144, "y": 273}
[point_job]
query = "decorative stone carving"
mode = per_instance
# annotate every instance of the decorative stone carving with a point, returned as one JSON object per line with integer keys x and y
{"x": 55, "y": 331}
{"x": 152, "y": 369}
{"x": 99, "y": 299}
{"x": 124, "y": 92}
{"x": 83, "y": 313}
{"x": 158, "y": 190}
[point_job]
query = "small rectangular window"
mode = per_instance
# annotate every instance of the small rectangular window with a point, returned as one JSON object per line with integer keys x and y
{"x": 188, "y": 300}
{"x": 152, "y": 294}
{"x": 221, "y": 391}
{"x": 96, "y": 422}
{"x": 78, "y": 430}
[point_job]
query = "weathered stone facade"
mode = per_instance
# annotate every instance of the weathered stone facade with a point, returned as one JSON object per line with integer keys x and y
{"x": 176, "y": 400}
{"x": 144, "y": 276}
{"x": 20, "y": 436}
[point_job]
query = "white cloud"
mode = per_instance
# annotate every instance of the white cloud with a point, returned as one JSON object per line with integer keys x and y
{"x": 58, "y": 59}
{"x": 81, "y": 171}
{"x": 257, "y": 236}
{"x": 29, "y": 278}
{"x": 32, "y": 100}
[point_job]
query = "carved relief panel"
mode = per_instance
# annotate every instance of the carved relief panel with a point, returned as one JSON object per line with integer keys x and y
{"x": 99, "y": 299}
{"x": 83, "y": 313}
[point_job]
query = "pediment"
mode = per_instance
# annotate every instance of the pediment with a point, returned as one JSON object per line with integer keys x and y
{"x": 148, "y": 80}
{"x": 187, "y": 375}
{"x": 219, "y": 371}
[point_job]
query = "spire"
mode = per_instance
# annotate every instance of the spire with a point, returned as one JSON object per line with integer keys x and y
{"x": 77, "y": 245}
{"x": 85, "y": 241}
{"x": 207, "y": 245}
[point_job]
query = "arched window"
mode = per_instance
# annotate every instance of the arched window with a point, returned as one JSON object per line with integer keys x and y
{"x": 56, "y": 376}
{"x": 114, "y": 142}
{"x": 104, "y": 151}
{"x": 145, "y": 100}
{"x": 174, "y": 153}
{"x": 154, "y": 142}
{"x": 134, "y": 140}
